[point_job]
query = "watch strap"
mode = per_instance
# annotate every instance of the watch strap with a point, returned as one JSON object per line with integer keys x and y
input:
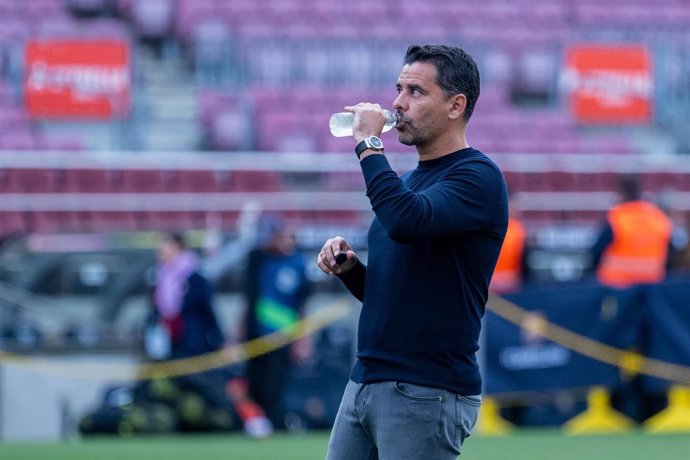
{"x": 361, "y": 147}
{"x": 371, "y": 142}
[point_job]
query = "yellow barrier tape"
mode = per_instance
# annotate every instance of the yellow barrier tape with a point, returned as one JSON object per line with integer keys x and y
{"x": 233, "y": 354}
{"x": 174, "y": 368}
{"x": 624, "y": 359}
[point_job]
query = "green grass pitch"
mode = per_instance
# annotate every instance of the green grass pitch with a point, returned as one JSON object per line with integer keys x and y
{"x": 522, "y": 445}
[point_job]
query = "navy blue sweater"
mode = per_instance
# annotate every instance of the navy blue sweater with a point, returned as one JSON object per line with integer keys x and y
{"x": 433, "y": 246}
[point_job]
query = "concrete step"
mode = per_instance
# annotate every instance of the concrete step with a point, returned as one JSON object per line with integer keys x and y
{"x": 171, "y": 135}
{"x": 173, "y": 109}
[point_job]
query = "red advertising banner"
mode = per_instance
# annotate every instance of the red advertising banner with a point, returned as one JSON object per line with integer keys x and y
{"x": 84, "y": 79}
{"x": 609, "y": 84}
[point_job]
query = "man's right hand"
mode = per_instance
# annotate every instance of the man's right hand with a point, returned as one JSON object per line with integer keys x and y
{"x": 369, "y": 120}
{"x": 326, "y": 257}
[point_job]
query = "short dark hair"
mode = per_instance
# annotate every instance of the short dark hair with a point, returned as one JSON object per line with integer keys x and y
{"x": 629, "y": 188}
{"x": 457, "y": 71}
{"x": 176, "y": 238}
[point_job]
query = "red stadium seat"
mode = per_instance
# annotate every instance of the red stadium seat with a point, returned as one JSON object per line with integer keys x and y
{"x": 100, "y": 221}
{"x": 11, "y": 222}
{"x": 194, "y": 181}
{"x": 89, "y": 180}
{"x": 175, "y": 220}
{"x": 32, "y": 180}
{"x": 597, "y": 181}
{"x": 256, "y": 181}
{"x": 561, "y": 181}
{"x": 51, "y": 221}
{"x": 656, "y": 181}
{"x": 143, "y": 181}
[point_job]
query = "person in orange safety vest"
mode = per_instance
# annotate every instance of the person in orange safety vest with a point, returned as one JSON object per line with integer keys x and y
{"x": 510, "y": 269}
{"x": 634, "y": 245}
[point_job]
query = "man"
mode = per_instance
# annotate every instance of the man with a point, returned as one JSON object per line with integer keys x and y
{"x": 184, "y": 324}
{"x": 414, "y": 389}
{"x": 635, "y": 243}
{"x": 183, "y": 303}
{"x": 276, "y": 289}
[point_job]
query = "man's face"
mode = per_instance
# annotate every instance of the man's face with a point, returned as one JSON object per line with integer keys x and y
{"x": 167, "y": 250}
{"x": 423, "y": 104}
{"x": 284, "y": 242}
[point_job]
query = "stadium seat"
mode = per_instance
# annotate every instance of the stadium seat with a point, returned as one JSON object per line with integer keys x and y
{"x": 289, "y": 131}
{"x": 46, "y": 8}
{"x": 195, "y": 181}
{"x": 597, "y": 181}
{"x": 143, "y": 181}
{"x": 11, "y": 222}
{"x": 536, "y": 72}
{"x": 535, "y": 181}
{"x": 561, "y": 181}
{"x": 255, "y": 181}
{"x": 89, "y": 180}
{"x": 6, "y": 93}
{"x": 226, "y": 220}
{"x": 224, "y": 180}
{"x": 657, "y": 181}
{"x": 153, "y": 18}
{"x": 9, "y": 8}
{"x": 169, "y": 220}
{"x": 88, "y": 7}
{"x": 51, "y": 221}
{"x": 230, "y": 130}
{"x": 18, "y": 140}
{"x": 100, "y": 221}
{"x": 210, "y": 48}
{"x": 32, "y": 181}
{"x": 59, "y": 144}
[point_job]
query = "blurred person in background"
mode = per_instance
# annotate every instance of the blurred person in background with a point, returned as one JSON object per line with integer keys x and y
{"x": 634, "y": 245}
{"x": 276, "y": 290}
{"x": 414, "y": 391}
{"x": 510, "y": 271}
{"x": 184, "y": 322}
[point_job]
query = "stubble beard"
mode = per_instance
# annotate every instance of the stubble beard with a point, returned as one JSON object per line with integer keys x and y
{"x": 413, "y": 137}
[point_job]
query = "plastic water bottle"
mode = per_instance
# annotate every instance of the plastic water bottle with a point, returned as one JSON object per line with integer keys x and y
{"x": 341, "y": 122}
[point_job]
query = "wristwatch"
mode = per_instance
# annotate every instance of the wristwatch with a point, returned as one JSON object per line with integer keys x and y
{"x": 371, "y": 142}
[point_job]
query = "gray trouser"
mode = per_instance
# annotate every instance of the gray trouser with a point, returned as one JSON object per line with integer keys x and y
{"x": 401, "y": 421}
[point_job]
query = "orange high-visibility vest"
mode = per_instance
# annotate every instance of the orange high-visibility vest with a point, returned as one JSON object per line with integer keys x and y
{"x": 508, "y": 272}
{"x": 638, "y": 252}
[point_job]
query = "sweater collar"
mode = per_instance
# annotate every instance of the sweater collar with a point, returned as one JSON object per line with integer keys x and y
{"x": 446, "y": 159}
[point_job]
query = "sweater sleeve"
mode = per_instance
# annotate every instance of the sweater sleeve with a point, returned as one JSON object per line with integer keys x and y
{"x": 456, "y": 203}
{"x": 354, "y": 280}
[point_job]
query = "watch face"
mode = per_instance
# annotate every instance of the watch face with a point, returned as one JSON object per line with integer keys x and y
{"x": 375, "y": 143}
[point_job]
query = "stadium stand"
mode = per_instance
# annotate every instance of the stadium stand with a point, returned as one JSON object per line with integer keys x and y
{"x": 236, "y": 77}
{"x": 252, "y": 50}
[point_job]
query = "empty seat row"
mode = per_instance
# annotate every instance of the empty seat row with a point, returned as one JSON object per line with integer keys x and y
{"x": 19, "y": 222}
{"x": 601, "y": 181}
{"x": 90, "y": 221}
{"x": 37, "y": 180}
{"x": 328, "y": 19}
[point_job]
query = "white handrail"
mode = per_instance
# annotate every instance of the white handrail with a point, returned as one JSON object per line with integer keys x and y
{"x": 330, "y": 162}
